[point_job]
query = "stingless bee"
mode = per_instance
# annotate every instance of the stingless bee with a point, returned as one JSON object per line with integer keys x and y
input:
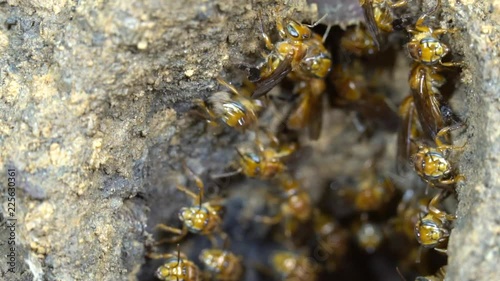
{"x": 354, "y": 93}
{"x": 433, "y": 230}
{"x": 296, "y": 207}
{"x": 224, "y": 265}
{"x": 177, "y": 267}
{"x": 265, "y": 162}
{"x": 293, "y": 267}
{"x": 332, "y": 238}
{"x": 379, "y": 16}
{"x": 358, "y": 41}
{"x": 201, "y": 218}
{"x": 308, "y": 113}
{"x": 424, "y": 45}
{"x": 371, "y": 193}
{"x": 369, "y": 235}
{"x": 236, "y": 109}
{"x": 300, "y": 51}
{"x": 431, "y": 164}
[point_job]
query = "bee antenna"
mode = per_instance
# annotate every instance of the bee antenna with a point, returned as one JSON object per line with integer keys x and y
{"x": 178, "y": 255}
{"x": 317, "y": 22}
{"x": 400, "y": 274}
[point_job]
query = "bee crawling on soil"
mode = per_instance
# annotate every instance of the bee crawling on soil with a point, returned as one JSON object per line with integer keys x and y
{"x": 236, "y": 109}
{"x": 177, "y": 267}
{"x": 433, "y": 230}
{"x": 424, "y": 46}
{"x": 293, "y": 267}
{"x": 300, "y": 51}
{"x": 224, "y": 265}
{"x": 201, "y": 218}
{"x": 431, "y": 164}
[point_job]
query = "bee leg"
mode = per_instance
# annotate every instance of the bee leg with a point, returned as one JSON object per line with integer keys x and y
{"x": 269, "y": 220}
{"x": 443, "y": 251}
{"x": 188, "y": 192}
{"x": 156, "y": 256}
{"x": 181, "y": 233}
{"x": 267, "y": 39}
{"x": 201, "y": 188}
{"x": 455, "y": 179}
{"x": 451, "y": 63}
{"x": 399, "y": 4}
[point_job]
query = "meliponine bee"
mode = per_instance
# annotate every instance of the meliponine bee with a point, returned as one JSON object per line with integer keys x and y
{"x": 201, "y": 218}
{"x": 296, "y": 206}
{"x": 308, "y": 113}
{"x": 177, "y": 267}
{"x": 379, "y": 16}
{"x": 424, "y": 46}
{"x": 236, "y": 109}
{"x": 293, "y": 267}
{"x": 332, "y": 238}
{"x": 300, "y": 51}
{"x": 358, "y": 41}
{"x": 222, "y": 264}
{"x": 433, "y": 230}
{"x": 372, "y": 193}
{"x": 354, "y": 92}
{"x": 265, "y": 163}
{"x": 369, "y": 235}
{"x": 431, "y": 164}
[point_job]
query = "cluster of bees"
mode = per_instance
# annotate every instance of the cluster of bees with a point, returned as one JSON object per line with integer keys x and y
{"x": 301, "y": 58}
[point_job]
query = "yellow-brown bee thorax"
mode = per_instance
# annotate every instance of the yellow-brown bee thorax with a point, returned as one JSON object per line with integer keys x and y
{"x": 195, "y": 218}
{"x": 177, "y": 269}
{"x": 429, "y": 232}
{"x": 428, "y": 50}
{"x": 435, "y": 166}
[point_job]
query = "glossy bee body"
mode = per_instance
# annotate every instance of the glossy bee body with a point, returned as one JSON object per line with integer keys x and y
{"x": 424, "y": 84}
{"x": 224, "y": 265}
{"x": 201, "y": 218}
{"x": 353, "y": 92}
{"x": 379, "y": 16}
{"x": 293, "y": 267}
{"x": 177, "y": 267}
{"x": 356, "y": 40}
{"x": 408, "y": 213}
{"x": 300, "y": 51}
{"x": 308, "y": 113}
{"x": 332, "y": 238}
{"x": 296, "y": 207}
{"x": 236, "y": 109}
{"x": 431, "y": 164}
{"x": 264, "y": 163}
{"x": 371, "y": 193}
{"x": 369, "y": 235}
{"x": 425, "y": 46}
{"x": 433, "y": 230}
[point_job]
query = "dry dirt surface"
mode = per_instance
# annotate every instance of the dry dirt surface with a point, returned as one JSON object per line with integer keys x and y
{"x": 96, "y": 122}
